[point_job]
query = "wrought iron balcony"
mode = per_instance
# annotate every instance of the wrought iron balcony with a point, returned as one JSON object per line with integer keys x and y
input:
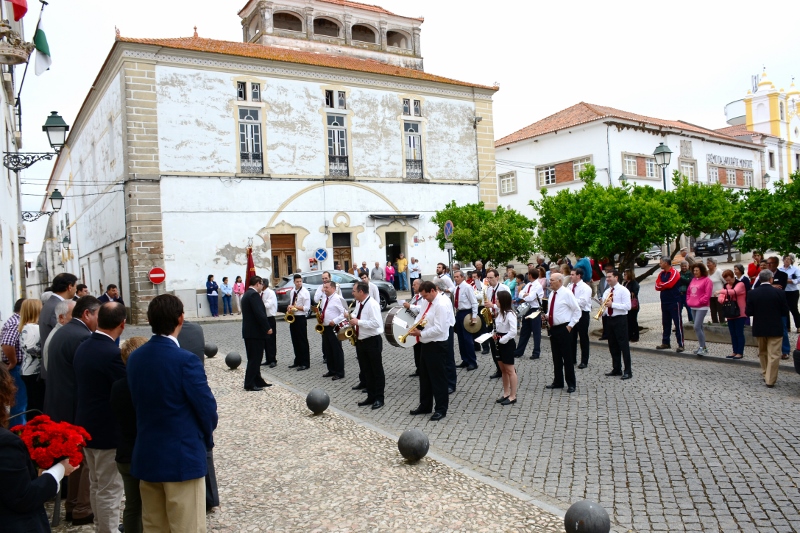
{"x": 414, "y": 169}
{"x": 338, "y": 165}
{"x": 252, "y": 163}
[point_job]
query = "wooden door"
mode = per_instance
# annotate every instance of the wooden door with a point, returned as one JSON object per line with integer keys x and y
{"x": 284, "y": 256}
{"x": 343, "y": 256}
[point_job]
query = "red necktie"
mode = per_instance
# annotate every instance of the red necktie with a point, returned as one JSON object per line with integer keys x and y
{"x": 552, "y": 309}
{"x": 458, "y": 290}
{"x": 611, "y": 295}
{"x": 327, "y": 299}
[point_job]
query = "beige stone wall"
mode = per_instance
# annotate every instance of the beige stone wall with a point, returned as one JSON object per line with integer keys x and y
{"x": 487, "y": 173}
{"x": 142, "y": 186}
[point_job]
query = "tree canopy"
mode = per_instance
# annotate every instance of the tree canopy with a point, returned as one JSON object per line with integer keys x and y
{"x": 479, "y": 233}
{"x": 770, "y": 218}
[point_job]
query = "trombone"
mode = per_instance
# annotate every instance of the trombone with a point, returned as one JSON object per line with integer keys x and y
{"x": 419, "y": 325}
{"x": 599, "y": 312}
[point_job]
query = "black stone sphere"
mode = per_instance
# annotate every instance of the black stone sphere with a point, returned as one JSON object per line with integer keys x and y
{"x": 413, "y": 445}
{"x": 796, "y": 356}
{"x": 586, "y": 517}
{"x": 233, "y": 360}
{"x": 317, "y": 401}
{"x": 210, "y": 349}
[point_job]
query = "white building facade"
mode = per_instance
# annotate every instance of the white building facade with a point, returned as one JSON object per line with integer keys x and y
{"x": 550, "y": 154}
{"x": 187, "y": 149}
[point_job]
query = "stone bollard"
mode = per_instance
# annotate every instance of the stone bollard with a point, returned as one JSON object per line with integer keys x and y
{"x": 317, "y": 401}
{"x": 586, "y": 517}
{"x": 413, "y": 445}
{"x": 210, "y": 349}
{"x": 233, "y": 360}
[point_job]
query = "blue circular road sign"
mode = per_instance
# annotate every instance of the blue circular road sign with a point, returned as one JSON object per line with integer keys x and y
{"x": 448, "y": 230}
{"x": 321, "y": 254}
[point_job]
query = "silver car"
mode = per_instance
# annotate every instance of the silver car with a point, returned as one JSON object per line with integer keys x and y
{"x": 313, "y": 280}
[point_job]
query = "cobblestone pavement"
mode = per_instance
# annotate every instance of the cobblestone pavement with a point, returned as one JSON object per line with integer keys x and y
{"x": 684, "y": 446}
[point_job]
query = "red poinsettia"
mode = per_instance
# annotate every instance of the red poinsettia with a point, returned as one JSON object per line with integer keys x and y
{"x": 49, "y": 442}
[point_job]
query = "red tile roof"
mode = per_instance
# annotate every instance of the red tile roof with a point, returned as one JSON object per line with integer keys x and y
{"x": 355, "y": 5}
{"x": 584, "y": 113}
{"x": 741, "y": 131}
{"x": 274, "y": 53}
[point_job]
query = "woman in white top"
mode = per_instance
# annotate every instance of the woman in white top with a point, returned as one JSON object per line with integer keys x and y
{"x": 718, "y": 283}
{"x": 505, "y": 329}
{"x": 792, "y": 288}
{"x": 30, "y": 344}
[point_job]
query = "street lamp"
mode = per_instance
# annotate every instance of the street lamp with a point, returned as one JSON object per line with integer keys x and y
{"x": 56, "y": 130}
{"x": 663, "y": 155}
{"x": 66, "y": 242}
{"x": 56, "y": 199}
{"x": 767, "y": 177}
{"x": 623, "y": 179}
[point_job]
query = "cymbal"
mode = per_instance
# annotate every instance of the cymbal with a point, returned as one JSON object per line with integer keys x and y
{"x": 469, "y": 326}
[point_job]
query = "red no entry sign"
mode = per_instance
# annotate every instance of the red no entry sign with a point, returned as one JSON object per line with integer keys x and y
{"x": 157, "y": 275}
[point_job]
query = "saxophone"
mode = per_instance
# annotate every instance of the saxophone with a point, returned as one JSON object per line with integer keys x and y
{"x": 320, "y": 327}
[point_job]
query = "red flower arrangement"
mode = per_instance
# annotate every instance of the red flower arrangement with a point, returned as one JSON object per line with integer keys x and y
{"x": 50, "y": 442}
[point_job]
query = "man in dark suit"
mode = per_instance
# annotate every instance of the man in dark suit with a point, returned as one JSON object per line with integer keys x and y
{"x": 255, "y": 326}
{"x": 63, "y": 289}
{"x": 176, "y": 415}
{"x": 767, "y": 305}
{"x": 97, "y": 366}
{"x": 60, "y": 399}
{"x": 111, "y": 295}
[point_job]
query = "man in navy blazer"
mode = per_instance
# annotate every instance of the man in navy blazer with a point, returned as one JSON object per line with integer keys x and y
{"x": 176, "y": 415}
{"x": 97, "y": 366}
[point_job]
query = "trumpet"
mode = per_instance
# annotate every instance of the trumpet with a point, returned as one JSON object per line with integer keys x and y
{"x": 289, "y": 316}
{"x": 421, "y": 324}
{"x": 599, "y": 313}
{"x": 319, "y": 328}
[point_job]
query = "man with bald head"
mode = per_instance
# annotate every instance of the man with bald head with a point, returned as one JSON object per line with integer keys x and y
{"x": 564, "y": 314}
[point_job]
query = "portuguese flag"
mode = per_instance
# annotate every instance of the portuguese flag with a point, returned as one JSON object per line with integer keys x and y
{"x": 20, "y": 8}
{"x": 43, "y": 60}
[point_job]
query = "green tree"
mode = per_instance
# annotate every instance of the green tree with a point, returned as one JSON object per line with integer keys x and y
{"x": 770, "y": 220}
{"x": 604, "y": 222}
{"x": 479, "y": 233}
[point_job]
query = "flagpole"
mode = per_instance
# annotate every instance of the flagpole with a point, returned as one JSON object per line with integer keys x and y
{"x": 21, "y": 83}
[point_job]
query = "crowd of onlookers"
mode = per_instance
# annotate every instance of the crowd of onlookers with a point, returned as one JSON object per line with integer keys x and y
{"x": 401, "y": 272}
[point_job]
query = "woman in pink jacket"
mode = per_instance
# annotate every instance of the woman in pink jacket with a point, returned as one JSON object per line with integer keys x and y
{"x": 736, "y": 291}
{"x": 238, "y": 292}
{"x": 698, "y": 296}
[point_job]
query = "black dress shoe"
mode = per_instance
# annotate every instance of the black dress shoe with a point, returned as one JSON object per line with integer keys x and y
{"x": 614, "y": 373}
{"x": 366, "y": 402}
{"x": 508, "y": 402}
{"x": 553, "y": 386}
{"x": 273, "y": 365}
{"x": 328, "y": 375}
{"x": 451, "y": 390}
{"x": 627, "y": 376}
{"x": 293, "y": 366}
{"x": 437, "y": 416}
{"x": 253, "y": 389}
{"x": 603, "y": 338}
{"x": 263, "y": 384}
{"x": 414, "y": 375}
{"x": 360, "y": 386}
{"x": 336, "y": 378}
{"x": 365, "y": 391}
{"x": 571, "y": 390}
{"x": 485, "y": 352}
{"x": 582, "y": 366}
{"x": 501, "y": 400}
{"x": 462, "y": 365}
{"x": 471, "y": 367}
{"x": 299, "y": 368}
{"x": 420, "y": 411}
{"x": 83, "y": 521}
{"x": 534, "y": 357}
{"x": 377, "y": 405}
{"x": 264, "y": 363}
{"x": 496, "y": 375}
{"x": 68, "y": 516}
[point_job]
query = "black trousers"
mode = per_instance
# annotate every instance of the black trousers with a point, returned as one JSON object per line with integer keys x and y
{"x": 450, "y": 362}
{"x": 792, "y": 298}
{"x": 619, "y": 342}
{"x": 560, "y": 345}
{"x": 432, "y": 377}
{"x": 333, "y": 346}
{"x": 370, "y": 357}
{"x": 530, "y": 326}
{"x": 633, "y": 324}
{"x": 299, "y": 333}
{"x": 581, "y": 332}
{"x": 252, "y": 374}
{"x": 272, "y": 342}
{"x": 325, "y": 354}
{"x": 417, "y": 352}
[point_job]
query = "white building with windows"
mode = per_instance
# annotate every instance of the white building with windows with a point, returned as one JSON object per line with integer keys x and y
{"x": 551, "y": 152}
{"x": 319, "y": 131}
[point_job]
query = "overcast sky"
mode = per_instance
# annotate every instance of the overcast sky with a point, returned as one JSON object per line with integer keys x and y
{"x": 671, "y": 60}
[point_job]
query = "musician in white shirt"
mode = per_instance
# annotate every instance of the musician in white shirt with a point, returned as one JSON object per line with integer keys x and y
{"x": 300, "y": 304}
{"x": 616, "y": 309}
{"x": 443, "y": 282}
{"x": 532, "y": 294}
{"x": 332, "y": 308}
{"x": 493, "y": 286}
{"x": 318, "y": 296}
{"x": 414, "y": 306}
{"x": 439, "y": 317}
{"x": 465, "y": 305}
{"x": 373, "y": 289}
{"x": 368, "y": 325}
{"x": 564, "y": 314}
{"x": 271, "y": 306}
{"x": 505, "y": 324}
{"x": 583, "y": 293}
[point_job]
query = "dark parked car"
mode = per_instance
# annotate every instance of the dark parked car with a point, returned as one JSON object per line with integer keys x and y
{"x": 712, "y": 244}
{"x": 313, "y": 280}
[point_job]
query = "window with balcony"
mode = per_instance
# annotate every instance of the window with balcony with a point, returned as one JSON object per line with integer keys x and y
{"x": 413, "y": 150}
{"x": 547, "y": 176}
{"x": 250, "y": 149}
{"x": 338, "y": 163}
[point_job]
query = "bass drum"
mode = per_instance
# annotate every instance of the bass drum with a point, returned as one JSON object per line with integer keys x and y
{"x": 397, "y": 323}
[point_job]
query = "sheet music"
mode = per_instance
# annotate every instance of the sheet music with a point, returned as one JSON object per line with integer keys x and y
{"x": 483, "y": 338}
{"x": 400, "y": 322}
